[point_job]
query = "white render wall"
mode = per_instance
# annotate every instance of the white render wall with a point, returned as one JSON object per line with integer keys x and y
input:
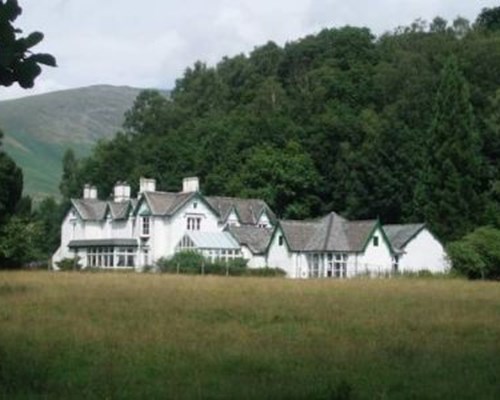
{"x": 424, "y": 252}
{"x": 167, "y": 232}
{"x": 279, "y": 256}
{"x": 376, "y": 260}
{"x": 254, "y": 261}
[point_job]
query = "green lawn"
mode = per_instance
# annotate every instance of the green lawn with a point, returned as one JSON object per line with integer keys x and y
{"x": 133, "y": 336}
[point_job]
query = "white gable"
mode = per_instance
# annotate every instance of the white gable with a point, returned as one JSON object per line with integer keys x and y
{"x": 264, "y": 221}
{"x": 424, "y": 252}
{"x": 232, "y": 218}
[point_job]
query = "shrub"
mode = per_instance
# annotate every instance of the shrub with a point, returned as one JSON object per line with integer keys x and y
{"x": 69, "y": 264}
{"x": 184, "y": 262}
{"x": 266, "y": 272}
{"x": 235, "y": 267}
{"x": 477, "y": 255}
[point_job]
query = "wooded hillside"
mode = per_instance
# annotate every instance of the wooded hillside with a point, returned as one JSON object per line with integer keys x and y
{"x": 404, "y": 127}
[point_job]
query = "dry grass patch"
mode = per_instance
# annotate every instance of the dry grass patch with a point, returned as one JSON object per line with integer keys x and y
{"x": 83, "y": 335}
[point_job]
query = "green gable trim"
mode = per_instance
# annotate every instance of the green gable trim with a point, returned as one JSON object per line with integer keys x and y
{"x": 233, "y": 208}
{"x": 276, "y": 229}
{"x": 379, "y": 226}
{"x": 262, "y": 212}
{"x": 195, "y": 196}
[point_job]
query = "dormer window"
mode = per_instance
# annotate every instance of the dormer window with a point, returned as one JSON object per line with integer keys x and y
{"x": 280, "y": 240}
{"x": 145, "y": 226}
{"x": 375, "y": 241}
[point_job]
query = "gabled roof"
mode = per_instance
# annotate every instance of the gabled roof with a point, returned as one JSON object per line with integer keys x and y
{"x": 400, "y": 234}
{"x": 213, "y": 240}
{"x": 330, "y": 233}
{"x": 166, "y": 203}
{"x": 248, "y": 210}
{"x": 119, "y": 210}
{"x": 90, "y": 209}
{"x": 96, "y": 210}
{"x": 256, "y": 239}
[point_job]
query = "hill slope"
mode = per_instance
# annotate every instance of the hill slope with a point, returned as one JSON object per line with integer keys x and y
{"x": 38, "y": 129}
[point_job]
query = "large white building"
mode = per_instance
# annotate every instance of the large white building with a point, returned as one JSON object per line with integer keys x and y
{"x": 130, "y": 232}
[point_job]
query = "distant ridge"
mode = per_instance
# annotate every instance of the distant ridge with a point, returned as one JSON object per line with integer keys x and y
{"x": 38, "y": 129}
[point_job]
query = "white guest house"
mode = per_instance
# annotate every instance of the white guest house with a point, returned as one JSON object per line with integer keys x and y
{"x": 131, "y": 233}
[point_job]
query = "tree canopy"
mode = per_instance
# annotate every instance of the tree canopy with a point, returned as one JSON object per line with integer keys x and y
{"x": 403, "y": 127}
{"x": 17, "y": 62}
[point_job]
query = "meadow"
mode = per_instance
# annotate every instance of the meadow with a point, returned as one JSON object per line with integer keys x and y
{"x": 143, "y": 336}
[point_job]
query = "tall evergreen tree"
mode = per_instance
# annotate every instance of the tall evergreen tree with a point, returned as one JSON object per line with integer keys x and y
{"x": 447, "y": 194}
{"x": 11, "y": 185}
{"x": 69, "y": 186}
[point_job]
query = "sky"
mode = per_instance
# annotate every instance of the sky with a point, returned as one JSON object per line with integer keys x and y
{"x": 150, "y": 43}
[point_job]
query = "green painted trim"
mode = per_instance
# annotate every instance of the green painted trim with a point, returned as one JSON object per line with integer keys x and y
{"x": 197, "y": 196}
{"x": 135, "y": 211}
{"x": 233, "y": 208}
{"x": 378, "y": 225}
{"x": 265, "y": 211}
{"x": 276, "y": 228}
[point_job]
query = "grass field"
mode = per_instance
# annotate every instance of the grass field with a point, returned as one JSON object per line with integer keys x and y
{"x": 141, "y": 336}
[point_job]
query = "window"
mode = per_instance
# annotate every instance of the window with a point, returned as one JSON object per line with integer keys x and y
{"x": 186, "y": 243}
{"x": 340, "y": 266}
{"x": 145, "y": 226}
{"x": 193, "y": 223}
{"x": 109, "y": 257}
{"x": 146, "y": 256}
{"x": 125, "y": 257}
{"x": 195, "y": 204}
{"x": 280, "y": 240}
{"x": 329, "y": 265}
{"x": 314, "y": 267}
{"x": 395, "y": 263}
{"x": 375, "y": 241}
{"x": 262, "y": 225}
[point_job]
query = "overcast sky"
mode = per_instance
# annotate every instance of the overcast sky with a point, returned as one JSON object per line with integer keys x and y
{"x": 149, "y": 43}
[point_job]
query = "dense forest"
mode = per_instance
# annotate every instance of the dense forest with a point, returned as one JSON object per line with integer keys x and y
{"x": 403, "y": 127}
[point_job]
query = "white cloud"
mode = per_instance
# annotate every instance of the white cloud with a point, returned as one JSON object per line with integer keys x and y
{"x": 150, "y": 43}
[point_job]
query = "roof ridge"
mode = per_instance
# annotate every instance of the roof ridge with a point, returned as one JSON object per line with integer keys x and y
{"x": 235, "y": 198}
{"x": 328, "y": 230}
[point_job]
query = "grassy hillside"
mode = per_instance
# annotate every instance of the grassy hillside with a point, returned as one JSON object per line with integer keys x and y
{"x": 132, "y": 336}
{"x": 38, "y": 129}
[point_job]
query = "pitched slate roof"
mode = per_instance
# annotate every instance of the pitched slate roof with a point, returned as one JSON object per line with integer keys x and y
{"x": 255, "y": 238}
{"x": 90, "y": 209}
{"x": 119, "y": 210}
{"x": 330, "y": 233}
{"x": 248, "y": 210}
{"x": 400, "y": 234}
{"x": 95, "y": 210}
{"x": 166, "y": 203}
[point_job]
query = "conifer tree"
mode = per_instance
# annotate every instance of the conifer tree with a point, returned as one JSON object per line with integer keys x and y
{"x": 447, "y": 194}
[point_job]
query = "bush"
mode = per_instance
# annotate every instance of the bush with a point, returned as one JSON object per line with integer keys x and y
{"x": 69, "y": 264}
{"x": 235, "y": 267}
{"x": 477, "y": 255}
{"x": 266, "y": 272}
{"x": 184, "y": 262}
